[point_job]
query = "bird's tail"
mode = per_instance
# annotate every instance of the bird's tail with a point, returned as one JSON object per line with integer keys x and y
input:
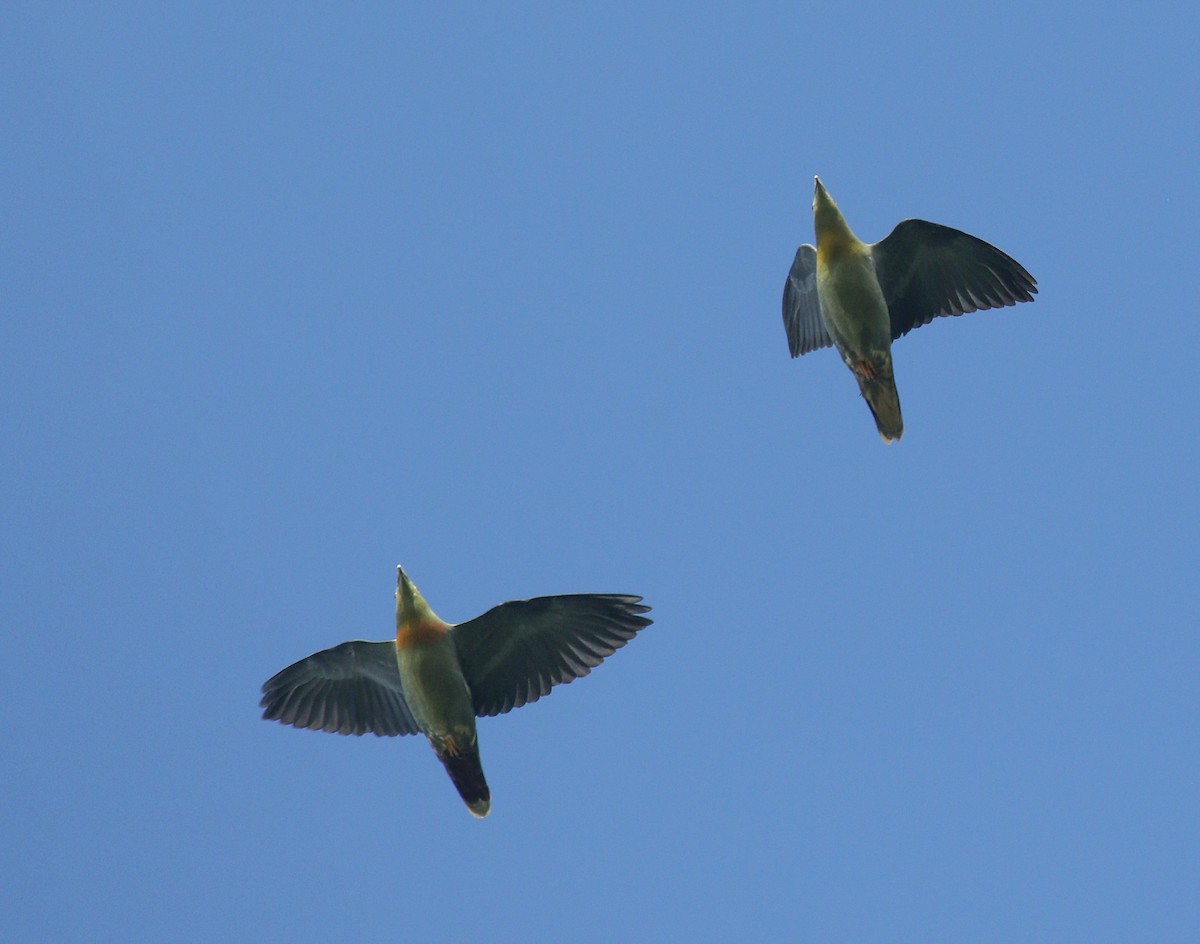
{"x": 883, "y": 399}
{"x": 467, "y": 773}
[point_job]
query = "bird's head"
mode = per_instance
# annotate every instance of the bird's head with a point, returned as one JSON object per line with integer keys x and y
{"x": 411, "y": 609}
{"x": 828, "y": 222}
{"x": 823, "y": 205}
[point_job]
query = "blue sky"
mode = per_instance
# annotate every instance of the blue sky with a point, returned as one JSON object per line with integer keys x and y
{"x": 292, "y": 294}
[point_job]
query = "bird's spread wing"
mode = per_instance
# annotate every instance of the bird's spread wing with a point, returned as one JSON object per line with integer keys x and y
{"x": 516, "y": 652}
{"x": 801, "y": 305}
{"x": 926, "y": 270}
{"x": 349, "y": 689}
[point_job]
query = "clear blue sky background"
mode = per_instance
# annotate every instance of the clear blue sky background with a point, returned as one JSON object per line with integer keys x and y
{"x": 292, "y": 294}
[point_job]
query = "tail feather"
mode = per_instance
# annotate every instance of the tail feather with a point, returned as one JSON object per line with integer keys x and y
{"x": 884, "y": 401}
{"x": 466, "y": 772}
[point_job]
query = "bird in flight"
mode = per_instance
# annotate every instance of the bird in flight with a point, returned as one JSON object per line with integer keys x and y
{"x": 860, "y": 297}
{"x": 435, "y": 677}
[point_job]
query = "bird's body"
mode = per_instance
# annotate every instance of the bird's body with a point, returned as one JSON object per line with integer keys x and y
{"x": 437, "y": 694}
{"x": 860, "y": 297}
{"x": 430, "y": 673}
{"x": 856, "y": 317}
{"x": 435, "y": 689}
{"x": 435, "y": 677}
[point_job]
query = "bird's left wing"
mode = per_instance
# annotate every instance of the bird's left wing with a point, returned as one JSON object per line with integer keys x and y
{"x": 517, "y": 651}
{"x": 926, "y": 270}
{"x": 349, "y": 689}
{"x": 802, "y": 306}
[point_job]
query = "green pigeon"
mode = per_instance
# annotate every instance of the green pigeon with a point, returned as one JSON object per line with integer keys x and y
{"x": 860, "y": 297}
{"x": 435, "y": 677}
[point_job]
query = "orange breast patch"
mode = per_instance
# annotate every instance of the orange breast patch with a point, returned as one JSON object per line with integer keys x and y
{"x": 419, "y": 634}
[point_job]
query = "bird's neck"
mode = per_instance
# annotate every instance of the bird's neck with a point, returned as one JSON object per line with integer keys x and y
{"x": 834, "y": 237}
{"x": 416, "y": 623}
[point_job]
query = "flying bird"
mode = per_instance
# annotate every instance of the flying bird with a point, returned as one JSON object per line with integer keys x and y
{"x": 861, "y": 297}
{"x": 435, "y": 677}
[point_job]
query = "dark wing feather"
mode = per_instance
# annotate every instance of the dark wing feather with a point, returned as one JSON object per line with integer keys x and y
{"x": 927, "y": 270}
{"x": 802, "y": 306}
{"x": 349, "y": 689}
{"x": 516, "y": 652}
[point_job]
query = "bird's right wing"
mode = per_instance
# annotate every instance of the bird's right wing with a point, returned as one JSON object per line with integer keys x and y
{"x": 801, "y": 305}
{"x": 517, "y": 651}
{"x": 926, "y": 270}
{"x": 349, "y": 689}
